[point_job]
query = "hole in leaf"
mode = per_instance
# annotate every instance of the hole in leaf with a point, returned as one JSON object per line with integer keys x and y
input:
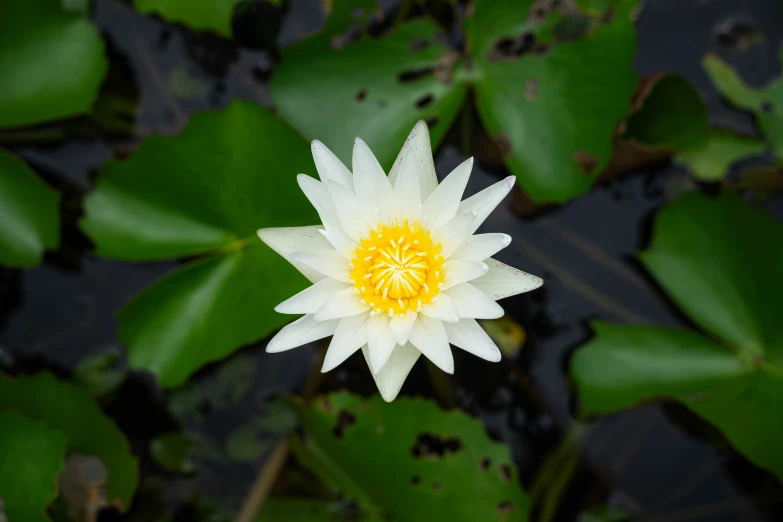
{"x": 431, "y": 122}
{"x": 418, "y": 44}
{"x": 767, "y": 107}
{"x": 424, "y": 101}
{"x": 344, "y": 420}
{"x": 512, "y": 48}
{"x": 485, "y": 463}
{"x": 736, "y": 35}
{"x": 505, "y": 473}
{"x": 361, "y": 95}
{"x": 505, "y": 507}
{"x": 586, "y": 161}
{"x": 433, "y": 447}
{"x": 415, "y": 480}
{"x": 410, "y": 75}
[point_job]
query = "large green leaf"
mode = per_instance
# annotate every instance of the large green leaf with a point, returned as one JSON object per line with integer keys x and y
{"x": 29, "y": 220}
{"x": 376, "y": 89}
{"x": 436, "y": 465}
{"x": 202, "y": 15}
{"x": 205, "y": 191}
{"x": 766, "y": 103}
{"x": 52, "y": 62}
{"x": 723, "y": 148}
{"x": 31, "y": 457}
{"x": 672, "y": 114}
{"x": 552, "y": 109}
{"x": 720, "y": 262}
{"x": 89, "y": 431}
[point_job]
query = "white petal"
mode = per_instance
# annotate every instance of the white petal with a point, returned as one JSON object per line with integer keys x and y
{"x": 485, "y": 201}
{"x": 468, "y": 335}
{"x": 309, "y": 300}
{"x": 407, "y": 193}
{"x": 482, "y": 246}
{"x": 380, "y": 341}
{"x": 454, "y": 234}
{"x": 329, "y": 167}
{"x": 429, "y": 336}
{"x": 390, "y": 378}
{"x": 418, "y": 144}
{"x": 461, "y": 271}
{"x": 441, "y": 308}
{"x": 342, "y": 304}
{"x": 286, "y": 240}
{"x": 302, "y": 331}
{"x": 472, "y": 302}
{"x": 444, "y": 201}
{"x": 350, "y": 335}
{"x": 401, "y": 326}
{"x": 328, "y": 262}
{"x": 370, "y": 182}
{"x": 353, "y": 214}
{"x": 319, "y": 196}
{"x": 503, "y": 281}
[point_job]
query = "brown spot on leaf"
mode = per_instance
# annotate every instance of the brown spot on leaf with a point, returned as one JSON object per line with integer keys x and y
{"x": 345, "y": 419}
{"x": 445, "y": 65}
{"x": 415, "y": 480}
{"x": 504, "y": 144}
{"x": 431, "y": 122}
{"x": 410, "y": 75}
{"x": 767, "y": 107}
{"x": 505, "y": 508}
{"x": 361, "y": 95}
{"x": 531, "y": 89}
{"x": 437, "y": 486}
{"x": 586, "y": 161}
{"x": 433, "y": 447}
{"x": 505, "y": 473}
{"x": 423, "y": 101}
{"x": 507, "y": 49}
{"x": 326, "y": 405}
{"x": 485, "y": 463}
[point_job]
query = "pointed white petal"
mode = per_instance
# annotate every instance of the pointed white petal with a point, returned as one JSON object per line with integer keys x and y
{"x": 429, "y": 336}
{"x": 350, "y": 335}
{"x": 309, "y": 300}
{"x": 369, "y": 180}
{"x": 342, "y": 304}
{"x": 444, "y": 201}
{"x": 485, "y": 201}
{"x": 503, "y": 281}
{"x": 407, "y": 193}
{"x": 473, "y": 303}
{"x": 441, "y": 308}
{"x": 454, "y": 234}
{"x": 329, "y": 167}
{"x": 353, "y": 214}
{"x": 468, "y": 335}
{"x": 286, "y": 240}
{"x": 380, "y": 341}
{"x": 401, "y": 326}
{"x": 390, "y": 378}
{"x": 302, "y": 331}
{"x": 481, "y": 246}
{"x": 328, "y": 262}
{"x": 418, "y": 144}
{"x": 461, "y": 271}
{"x": 319, "y": 196}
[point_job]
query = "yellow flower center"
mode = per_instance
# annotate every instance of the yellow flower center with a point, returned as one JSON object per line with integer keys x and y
{"x": 397, "y": 268}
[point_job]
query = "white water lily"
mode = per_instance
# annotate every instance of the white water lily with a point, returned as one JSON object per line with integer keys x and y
{"x": 396, "y": 267}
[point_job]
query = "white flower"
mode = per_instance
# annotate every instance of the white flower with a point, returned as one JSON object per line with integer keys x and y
{"x": 396, "y": 267}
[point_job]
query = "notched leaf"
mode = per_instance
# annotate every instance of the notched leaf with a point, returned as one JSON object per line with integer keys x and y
{"x": 433, "y": 447}
{"x": 586, "y": 161}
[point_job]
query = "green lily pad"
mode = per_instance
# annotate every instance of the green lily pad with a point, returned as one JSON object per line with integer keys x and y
{"x": 724, "y": 148}
{"x": 672, "y": 115}
{"x": 201, "y": 15}
{"x": 205, "y": 191}
{"x": 552, "y": 107}
{"x": 766, "y": 103}
{"x": 89, "y": 431}
{"x": 31, "y": 457}
{"x": 52, "y": 60}
{"x": 719, "y": 261}
{"x": 437, "y": 465}
{"x": 295, "y": 509}
{"x": 375, "y": 89}
{"x": 29, "y": 214}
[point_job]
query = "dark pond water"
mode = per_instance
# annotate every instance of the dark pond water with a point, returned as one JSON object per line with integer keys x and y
{"x": 657, "y": 462}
